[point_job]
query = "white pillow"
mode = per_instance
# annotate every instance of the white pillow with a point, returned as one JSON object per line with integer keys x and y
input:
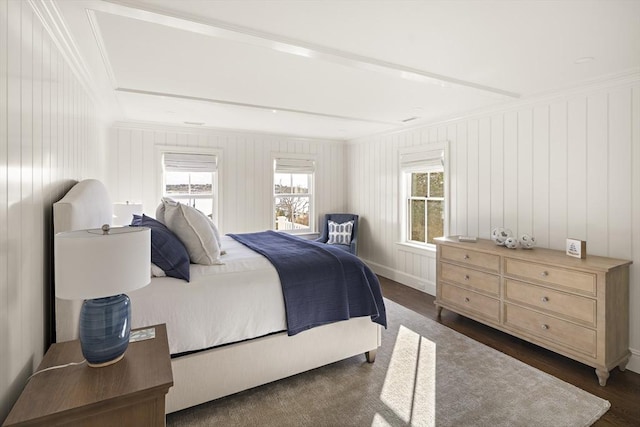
{"x": 160, "y": 208}
{"x": 340, "y": 234}
{"x": 160, "y": 217}
{"x": 157, "y": 271}
{"x": 195, "y": 230}
{"x": 215, "y": 233}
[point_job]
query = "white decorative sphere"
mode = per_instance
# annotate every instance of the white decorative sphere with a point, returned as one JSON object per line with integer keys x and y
{"x": 527, "y": 242}
{"x": 499, "y": 235}
{"x": 511, "y": 242}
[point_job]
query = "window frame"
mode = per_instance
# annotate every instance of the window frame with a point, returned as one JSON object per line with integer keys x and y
{"x": 416, "y": 160}
{"x": 216, "y": 186}
{"x": 311, "y": 191}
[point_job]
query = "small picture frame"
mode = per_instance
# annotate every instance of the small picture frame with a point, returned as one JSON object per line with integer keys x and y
{"x": 577, "y": 248}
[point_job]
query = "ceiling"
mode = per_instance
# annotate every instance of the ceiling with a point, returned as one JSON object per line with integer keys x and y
{"x": 339, "y": 69}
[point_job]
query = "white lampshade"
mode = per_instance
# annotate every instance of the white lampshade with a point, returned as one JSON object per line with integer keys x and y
{"x": 123, "y": 212}
{"x": 90, "y": 264}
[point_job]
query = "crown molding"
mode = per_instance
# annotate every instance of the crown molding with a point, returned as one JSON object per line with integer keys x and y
{"x": 608, "y": 81}
{"x": 54, "y": 24}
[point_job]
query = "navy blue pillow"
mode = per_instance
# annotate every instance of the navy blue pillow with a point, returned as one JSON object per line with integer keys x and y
{"x": 136, "y": 220}
{"x": 167, "y": 251}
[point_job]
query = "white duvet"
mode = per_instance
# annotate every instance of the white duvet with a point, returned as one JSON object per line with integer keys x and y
{"x": 236, "y": 301}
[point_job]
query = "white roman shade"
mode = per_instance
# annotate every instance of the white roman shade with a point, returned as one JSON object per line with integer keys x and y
{"x": 295, "y": 165}
{"x": 422, "y": 161}
{"x": 189, "y": 162}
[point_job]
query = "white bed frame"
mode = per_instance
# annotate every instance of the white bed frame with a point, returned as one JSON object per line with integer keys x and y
{"x": 211, "y": 374}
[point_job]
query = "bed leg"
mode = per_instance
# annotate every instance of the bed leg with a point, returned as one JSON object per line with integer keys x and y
{"x": 371, "y": 355}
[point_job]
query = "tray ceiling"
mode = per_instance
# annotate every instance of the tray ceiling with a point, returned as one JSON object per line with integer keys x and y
{"x": 336, "y": 69}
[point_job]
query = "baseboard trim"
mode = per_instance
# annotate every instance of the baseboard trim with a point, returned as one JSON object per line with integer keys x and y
{"x": 634, "y": 362}
{"x": 410, "y": 280}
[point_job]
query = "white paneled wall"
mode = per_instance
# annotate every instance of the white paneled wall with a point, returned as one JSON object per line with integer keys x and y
{"x": 48, "y": 138}
{"x": 245, "y": 175}
{"x": 566, "y": 166}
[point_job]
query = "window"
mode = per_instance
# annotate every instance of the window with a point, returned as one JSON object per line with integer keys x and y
{"x": 424, "y": 195}
{"x": 293, "y": 194}
{"x": 191, "y": 179}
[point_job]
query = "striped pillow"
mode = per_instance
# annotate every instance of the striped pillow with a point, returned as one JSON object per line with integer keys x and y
{"x": 340, "y": 234}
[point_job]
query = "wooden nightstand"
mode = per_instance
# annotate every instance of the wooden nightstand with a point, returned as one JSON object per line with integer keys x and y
{"x": 128, "y": 393}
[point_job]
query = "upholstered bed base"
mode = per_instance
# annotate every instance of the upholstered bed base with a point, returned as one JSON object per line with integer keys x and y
{"x": 208, "y": 375}
{"x": 211, "y": 374}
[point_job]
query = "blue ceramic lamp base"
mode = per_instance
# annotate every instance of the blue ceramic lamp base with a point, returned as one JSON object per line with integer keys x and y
{"x": 104, "y": 329}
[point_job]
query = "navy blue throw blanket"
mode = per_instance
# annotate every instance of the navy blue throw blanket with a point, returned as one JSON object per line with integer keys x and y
{"x": 320, "y": 284}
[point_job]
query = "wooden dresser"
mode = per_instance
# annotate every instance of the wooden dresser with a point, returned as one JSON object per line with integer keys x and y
{"x": 575, "y": 307}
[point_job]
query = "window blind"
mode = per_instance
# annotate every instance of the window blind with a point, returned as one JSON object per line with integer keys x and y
{"x": 295, "y": 166}
{"x": 189, "y": 162}
{"x": 423, "y": 161}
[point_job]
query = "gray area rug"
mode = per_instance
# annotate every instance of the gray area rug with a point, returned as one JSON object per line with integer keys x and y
{"x": 425, "y": 374}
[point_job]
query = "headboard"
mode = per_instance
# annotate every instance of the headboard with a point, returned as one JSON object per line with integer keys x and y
{"x": 86, "y": 205}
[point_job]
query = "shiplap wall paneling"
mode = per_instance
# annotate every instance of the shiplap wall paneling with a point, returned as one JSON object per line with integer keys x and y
{"x": 495, "y": 166}
{"x": 576, "y": 168}
{"x": 539, "y": 227}
{"x": 48, "y": 129}
{"x": 484, "y": 175}
{"x": 558, "y": 177}
{"x": 635, "y": 227}
{"x": 374, "y": 195}
{"x": 137, "y": 149}
{"x": 598, "y": 145}
{"x": 6, "y": 373}
{"x": 462, "y": 180}
{"x": 473, "y": 178}
{"x": 524, "y": 143}
{"x": 245, "y": 175}
{"x": 511, "y": 176}
{"x": 392, "y": 194}
{"x": 149, "y": 173}
{"x": 556, "y": 168}
{"x": 618, "y": 188}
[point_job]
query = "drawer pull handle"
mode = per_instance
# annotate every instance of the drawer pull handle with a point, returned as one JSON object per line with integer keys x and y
{"x": 545, "y": 299}
{"x": 466, "y": 299}
{"x": 466, "y": 277}
{"x": 545, "y": 273}
{"x": 545, "y": 327}
{"x": 466, "y": 256}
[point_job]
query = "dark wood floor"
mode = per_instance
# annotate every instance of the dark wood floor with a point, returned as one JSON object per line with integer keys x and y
{"x": 622, "y": 389}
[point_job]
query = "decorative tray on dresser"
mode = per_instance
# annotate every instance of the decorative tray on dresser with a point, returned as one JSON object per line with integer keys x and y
{"x": 575, "y": 307}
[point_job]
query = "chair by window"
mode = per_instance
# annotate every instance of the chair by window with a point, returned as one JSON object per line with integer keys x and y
{"x": 337, "y": 235}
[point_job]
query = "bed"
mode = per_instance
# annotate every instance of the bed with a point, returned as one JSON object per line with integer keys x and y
{"x": 218, "y": 365}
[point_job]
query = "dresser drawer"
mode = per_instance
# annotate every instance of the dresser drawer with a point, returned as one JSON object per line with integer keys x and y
{"x": 574, "y": 307}
{"x": 473, "y": 258}
{"x": 572, "y": 280}
{"x": 471, "y": 302}
{"x": 469, "y": 278}
{"x": 556, "y": 331}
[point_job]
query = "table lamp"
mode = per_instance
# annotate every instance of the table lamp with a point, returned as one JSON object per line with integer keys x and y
{"x": 123, "y": 212}
{"x": 100, "y": 266}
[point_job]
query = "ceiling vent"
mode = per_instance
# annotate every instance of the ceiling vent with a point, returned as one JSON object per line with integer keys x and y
{"x": 410, "y": 119}
{"x": 194, "y": 123}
